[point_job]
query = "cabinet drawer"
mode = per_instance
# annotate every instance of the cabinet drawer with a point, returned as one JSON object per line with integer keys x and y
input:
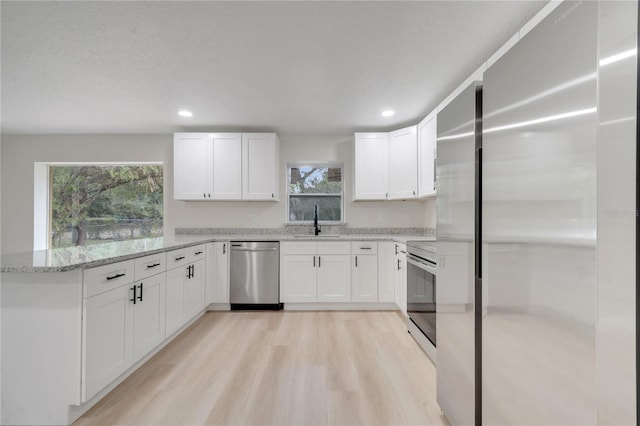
{"x": 107, "y": 277}
{"x": 364, "y": 247}
{"x": 177, "y": 258}
{"x": 334, "y": 247}
{"x": 196, "y": 253}
{"x": 302, "y": 247}
{"x": 150, "y": 265}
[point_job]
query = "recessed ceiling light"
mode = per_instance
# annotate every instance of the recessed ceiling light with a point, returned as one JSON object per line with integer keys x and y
{"x": 388, "y": 113}
{"x": 185, "y": 113}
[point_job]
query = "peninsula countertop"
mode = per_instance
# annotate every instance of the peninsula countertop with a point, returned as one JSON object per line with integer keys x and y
{"x": 70, "y": 258}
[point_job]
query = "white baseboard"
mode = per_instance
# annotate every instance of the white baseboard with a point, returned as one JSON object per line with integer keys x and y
{"x": 219, "y": 307}
{"x": 348, "y": 306}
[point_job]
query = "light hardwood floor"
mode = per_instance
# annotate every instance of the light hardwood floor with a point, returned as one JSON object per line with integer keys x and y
{"x": 280, "y": 368}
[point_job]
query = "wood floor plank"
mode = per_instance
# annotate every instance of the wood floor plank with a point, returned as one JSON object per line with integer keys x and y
{"x": 280, "y": 368}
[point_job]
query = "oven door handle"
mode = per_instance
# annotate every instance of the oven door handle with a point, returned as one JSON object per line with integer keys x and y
{"x": 416, "y": 261}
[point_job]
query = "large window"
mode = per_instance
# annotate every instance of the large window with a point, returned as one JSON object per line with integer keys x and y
{"x": 90, "y": 204}
{"x": 311, "y": 185}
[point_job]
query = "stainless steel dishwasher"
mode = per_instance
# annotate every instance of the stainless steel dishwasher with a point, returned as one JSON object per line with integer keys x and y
{"x": 254, "y": 281}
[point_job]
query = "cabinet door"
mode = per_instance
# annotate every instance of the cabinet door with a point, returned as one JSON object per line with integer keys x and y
{"x": 227, "y": 166}
{"x": 371, "y": 165}
{"x": 220, "y": 272}
{"x": 175, "y": 299}
{"x": 298, "y": 278}
{"x": 108, "y": 334}
{"x": 427, "y": 133}
{"x": 403, "y": 165}
{"x": 192, "y": 157}
{"x": 149, "y": 315}
{"x": 401, "y": 276}
{"x": 386, "y": 271}
{"x": 334, "y": 278}
{"x": 193, "y": 301}
{"x": 401, "y": 282}
{"x": 364, "y": 278}
{"x": 259, "y": 166}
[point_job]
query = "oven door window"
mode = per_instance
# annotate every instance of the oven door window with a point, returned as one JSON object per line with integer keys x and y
{"x": 421, "y": 299}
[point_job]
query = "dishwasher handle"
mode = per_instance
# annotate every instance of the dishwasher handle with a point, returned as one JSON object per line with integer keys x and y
{"x": 240, "y": 248}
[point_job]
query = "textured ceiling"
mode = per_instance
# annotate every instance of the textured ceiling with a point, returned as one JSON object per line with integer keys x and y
{"x": 290, "y": 67}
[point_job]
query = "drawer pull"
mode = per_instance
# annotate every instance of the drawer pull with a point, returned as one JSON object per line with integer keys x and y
{"x": 365, "y": 248}
{"x": 153, "y": 266}
{"x": 197, "y": 253}
{"x": 179, "y": 258}
{"x": 115, "y": 276}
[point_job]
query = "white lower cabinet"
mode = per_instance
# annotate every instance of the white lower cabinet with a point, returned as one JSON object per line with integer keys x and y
{"x": 107, "y": 338}
{"x": 401, "y": 277}
{"x": 334, "y": 276}
{"x": 298, "y": 281}
{"x": 386, "y": 271}
{"x": 185, "y": 287}
{"x": 148, "y": 315}
{"x": 193, "y": 301}
{"x": 122, "y": 324}
{"x": 364, "y": 271}
{"x": 315, "y": 272}
{"x": 217, "y": 285}
{"x": 175, "y": 298}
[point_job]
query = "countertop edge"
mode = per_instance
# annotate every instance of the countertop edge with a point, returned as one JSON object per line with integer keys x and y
{"x": 23, "y": 268}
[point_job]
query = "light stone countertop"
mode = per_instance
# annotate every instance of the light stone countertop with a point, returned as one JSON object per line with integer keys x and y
{"x": 67, "y": 259}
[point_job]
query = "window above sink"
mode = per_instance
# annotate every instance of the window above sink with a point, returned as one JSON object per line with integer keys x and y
{"x": 311, "y": 184}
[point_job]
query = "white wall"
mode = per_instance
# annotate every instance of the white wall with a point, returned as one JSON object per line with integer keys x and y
{"x": 20, "y": 152}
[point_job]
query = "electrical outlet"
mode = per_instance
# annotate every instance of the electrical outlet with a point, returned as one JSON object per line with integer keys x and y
{"x": 380, "y": 217}
{"x": 254, "y": 218}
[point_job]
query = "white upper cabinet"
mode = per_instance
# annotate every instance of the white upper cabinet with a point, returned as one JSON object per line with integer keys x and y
{"x": 403, "y": 167}
{"x": 371, "y": 160}
{"x": 427, "y": 133}
{"x": 192, "y": 156}
{"x": 226, "y": 166}
{"x": 260, "y": 166}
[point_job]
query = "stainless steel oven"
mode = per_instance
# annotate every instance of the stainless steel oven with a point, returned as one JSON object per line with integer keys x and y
{"x": 421, "y": 294}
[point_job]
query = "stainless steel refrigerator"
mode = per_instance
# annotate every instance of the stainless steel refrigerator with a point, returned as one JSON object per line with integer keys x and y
{"x": 458, "y": 141}
{"x": 545, "y": 332}
{"x": 549, "y": 166}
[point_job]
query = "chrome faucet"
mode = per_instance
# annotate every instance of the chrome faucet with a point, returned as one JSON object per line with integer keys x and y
{"x": 315, "y": 220}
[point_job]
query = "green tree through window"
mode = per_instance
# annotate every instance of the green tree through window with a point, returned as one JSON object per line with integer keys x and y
{"x": 96, "y": 203}
{"x": 313, "y": 185}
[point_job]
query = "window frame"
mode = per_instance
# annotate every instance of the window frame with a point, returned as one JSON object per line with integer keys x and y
{"x": 42, "y": 235}
{"x": 318, "y": 164}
